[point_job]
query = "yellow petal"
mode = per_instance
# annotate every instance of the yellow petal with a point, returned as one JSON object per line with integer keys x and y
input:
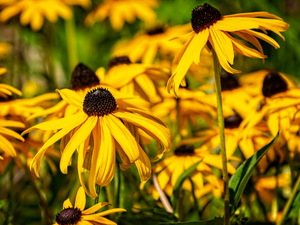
{"x": 95, "y": 208}
{"x": 7, "y": 147}
{"x": 67, "y": 204}
{"x": 80, "y": 200}
{"x": 143, "y": 165}
{"x": 71, "y": 97}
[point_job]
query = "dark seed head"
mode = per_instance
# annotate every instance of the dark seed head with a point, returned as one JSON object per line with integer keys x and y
{"x": 99, "y": 102}
{"x": 232, "y": 122}
{"x": 68, "y": 216}
{"x": 184, "y": 150}
{"x": 83, "y": 77}
{"x": 118, "y": 60}
{"x": 204, "y": 16}
{"x": 273, "y": 84}
{"x": 158, "y": 30}
{"x": 228, "y": 82}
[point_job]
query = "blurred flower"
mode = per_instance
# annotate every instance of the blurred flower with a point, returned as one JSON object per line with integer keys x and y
{"x": 133, "y": 78}
{"x": 83, "y": 3}
{"x": 145, "y": 46}
{"x": 120, "y": 11}
{"x": 278, "y": 107}
{"x": 209, "y": 25}
{"x": 78, "y": 216}
{"x": 184, "y": 157}
{"x": 34, "y": 11}
{"x": 4, "y": 50}
{"x": 191, "y": 105}
{"x": 252, "y": 83}
{"x": 100, "y": 119}
{"x": 5, "y": 144}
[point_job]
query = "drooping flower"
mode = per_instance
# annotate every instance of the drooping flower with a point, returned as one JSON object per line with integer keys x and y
{"x": 210, "y": 26}
{"x": 134, "y": 78}
{"x": 34, "y": 12}
{"x": 191, "y": 103}
{"x": 5, "y": 144}
{"x": 146, "y": 45}
{"x": 76, "y": 215}
{"x": 184, "y": 157}
{"x": 121, "y": 11}
{"x": 101, "y": 126}
{"x": 278, "y": 107}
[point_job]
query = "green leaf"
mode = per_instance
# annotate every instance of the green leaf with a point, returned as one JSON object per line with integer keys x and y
{"x": 215, "y": 221}
{"x": 242, "y": 175}
{"x": 179, "y": 182}
{"x": 295, "y": 207}
{"x": 2, "y": 203}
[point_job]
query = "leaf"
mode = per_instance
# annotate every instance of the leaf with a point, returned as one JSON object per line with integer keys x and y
{"x": 2, "y": 203}
{"x": 242, "y": 175}
{"x": 295, "y": 207}
{"x": 179, "y": 182}
{"x": 215, "y": 221}
{"x": 160, "y": 213}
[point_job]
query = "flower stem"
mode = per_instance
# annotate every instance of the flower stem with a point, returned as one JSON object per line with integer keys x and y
{"x": 217, "y": 68}
{"x": 195, "y": 199}
{"x": 162, "y": 195}
{"x": 98, "y": 190}
{"x": 289, "y": 202}
{"x": 71, "y": 45}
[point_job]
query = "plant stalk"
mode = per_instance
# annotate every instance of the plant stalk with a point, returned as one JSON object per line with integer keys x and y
{"x": 98, "y": 190}
{"x": 289, "y": 202}
{"x": 195, "y": 199}
{"x": 71, "y": 45}
{"x": 217, "y": 69}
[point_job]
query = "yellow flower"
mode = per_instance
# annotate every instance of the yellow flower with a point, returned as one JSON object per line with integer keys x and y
{"x": 83, "y": 3}
{"x": 191, "y": 105}
{"x": 209, "y": 25}
{"x": 4, "y": 49}
{"x": 253, "y": 82}
{"x": 120, "y": 11}
{"x": 278, "y": 107}
{"x": 145, "y": 46}
{"x": 104, "y": 125}
{"x": 34, "y": 11}
{"x": 133, "y": 78}
{"x": 5, "y": 144}
{"x": 184, "y": 157}
{"x": 76, "y": 214}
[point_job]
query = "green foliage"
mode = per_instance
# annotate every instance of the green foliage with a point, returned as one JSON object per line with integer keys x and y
{"x": 215, "y": 221}
{"x": 241, "y": 177}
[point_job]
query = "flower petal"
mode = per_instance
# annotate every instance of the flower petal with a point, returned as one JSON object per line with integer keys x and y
{"x": 80, "y": 200}
{"x": 95, "y": 208}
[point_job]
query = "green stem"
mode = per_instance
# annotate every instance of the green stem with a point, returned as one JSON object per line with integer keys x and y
{"x": 71, "y": 45}
{"x": 195, "y": 199}
{"x": 289, "y": 202}
{"x": 217, "y": 68}
{"x": 98, "y": 191}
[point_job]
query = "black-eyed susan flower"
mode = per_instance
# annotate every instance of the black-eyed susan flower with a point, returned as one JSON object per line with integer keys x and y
{"x": 4, "y": 50}
{"x": 5, "y": 145}
{"x": 184, "y": 157}
{"x": 121, "y": 11}
{"x": 33, "y": 12}
{"x": 192, "y": 104}
{"x": 210, "y": 26}
{"x": 146, "y": 45}
{"x": 134, "y": 78}
{"x": 278, "y": 107}
{"x": 77, "y": 215}
{"x": 101, "y": 126}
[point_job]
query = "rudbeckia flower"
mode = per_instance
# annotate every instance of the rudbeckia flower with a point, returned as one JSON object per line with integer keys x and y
{"x": 210, "y": 26}
{"x": 106, "y": 127}
{"x": 133, "y": 78}
{"x": 5, "y": 144}
{"x": 184, "y": 157}
{"x": 121, "y": 11}
{"x": 4, "y": 49}
{"x": 192, "y": 104}
{"x": 34, "y": 11}
{"x": 76, "y": 215}
{"x": 145, "y": 46}
{"x": 278, "y": 107}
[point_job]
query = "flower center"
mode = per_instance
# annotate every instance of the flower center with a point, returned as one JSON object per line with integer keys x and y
{"x": 99, "y": 102}
{"x": 158, "y": 30}
{"x": 232, "y": 122}
{"x": 204, "y": 16}
{"x": 185, "y": 150}
{"x": 273, "y": 84}
{"x": 83, "y": 77}
{"x": 68, "y": 216}
{"x": 118, "y": 60}
{"x": 228, "y": 82}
